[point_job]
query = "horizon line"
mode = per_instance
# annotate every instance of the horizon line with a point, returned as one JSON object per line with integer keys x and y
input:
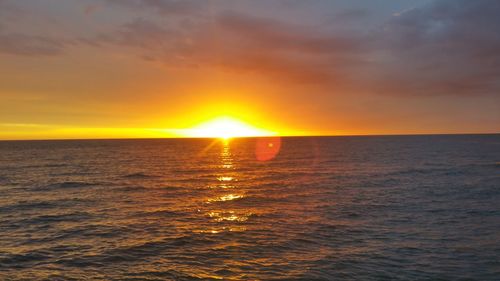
{"x": 249, "y": 137}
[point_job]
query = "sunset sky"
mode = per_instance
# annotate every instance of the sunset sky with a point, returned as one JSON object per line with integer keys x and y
{"x": 153, "y": 68}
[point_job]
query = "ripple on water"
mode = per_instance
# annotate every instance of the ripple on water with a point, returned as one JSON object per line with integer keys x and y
{"x": 139, "y": 175}
{"x": 67, "y": 185}
{"x": 323, "y": 209}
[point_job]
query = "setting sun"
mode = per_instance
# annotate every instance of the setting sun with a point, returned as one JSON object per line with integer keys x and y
{"x": 225, "y": 128}
{"x": 249, "y": 140}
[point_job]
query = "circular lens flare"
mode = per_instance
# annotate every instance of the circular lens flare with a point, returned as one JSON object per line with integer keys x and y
{"x": 267, "y": 148}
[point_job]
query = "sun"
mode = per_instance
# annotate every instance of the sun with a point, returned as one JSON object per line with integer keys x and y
{"x": 226, "y": 128}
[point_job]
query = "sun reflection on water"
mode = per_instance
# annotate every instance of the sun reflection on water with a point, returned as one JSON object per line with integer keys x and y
{"x": 227, "y": 216}
{"x": 227, "y": 197}
{"x": 221, "y": 218}
{"x": 225, "y": 178}
{"x": 226, "y": 156}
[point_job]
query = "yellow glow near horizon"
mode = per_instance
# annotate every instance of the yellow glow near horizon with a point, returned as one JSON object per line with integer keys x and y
{"x": 226, "y": 128}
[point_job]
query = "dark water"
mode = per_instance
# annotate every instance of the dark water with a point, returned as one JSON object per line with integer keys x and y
{"x": 340, "y": 208}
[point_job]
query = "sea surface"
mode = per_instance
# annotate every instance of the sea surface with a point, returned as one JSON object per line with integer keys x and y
{"x": 308, "y": 208}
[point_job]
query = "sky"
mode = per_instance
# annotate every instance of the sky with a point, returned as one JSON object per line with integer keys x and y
{"x": 152, "y": 68}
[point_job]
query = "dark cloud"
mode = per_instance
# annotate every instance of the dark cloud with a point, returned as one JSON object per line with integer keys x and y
{"x": 155, "y": 42}
{"x": 26, "y": 45}
{"x": 91, "y": 9}
{"x": 444, "y": 47}
{"x": 143, "y": 33}
{"x": 243, "y": 43}
{"x": 350, "y": 15}
{"x": 18, "y": 43}
{"x": 278, "y": 36}
{"x": 164, "y": 7}
{"x": 9, "y": 11}
{"x": 300, "y": 54}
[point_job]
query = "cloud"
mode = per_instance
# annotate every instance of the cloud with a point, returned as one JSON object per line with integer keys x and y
{"x": 163, "y": 7}
{"x": 353, "y": 14}
{"x": 242, "y": 43}
{"x": 296, "y": 53}
{"x": 143, "y": 33}
{"x": 154, "y": 42}
{"x": 90, "y": 9}
{"x": 274, "y": 35}
{"x": 443, "y": 47}
{"x": 19, "y": 43}
{"x": 10, "y": 12}
{"x": 27, "y": 45}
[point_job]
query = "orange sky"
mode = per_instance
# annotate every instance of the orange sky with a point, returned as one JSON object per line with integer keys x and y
{"x": 112, "y": 69}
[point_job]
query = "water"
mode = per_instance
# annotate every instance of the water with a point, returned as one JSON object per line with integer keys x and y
{"x": 365, "y": 208}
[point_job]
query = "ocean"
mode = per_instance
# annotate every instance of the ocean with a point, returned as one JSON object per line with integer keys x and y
{"x": 291, "y": 208}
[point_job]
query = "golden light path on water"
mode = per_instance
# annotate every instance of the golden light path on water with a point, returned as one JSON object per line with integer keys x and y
{"x": 225, "y": 190}
{"x": 221, "y": 210}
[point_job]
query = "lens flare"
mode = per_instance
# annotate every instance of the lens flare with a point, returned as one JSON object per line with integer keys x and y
{"x": 267, "y": 148}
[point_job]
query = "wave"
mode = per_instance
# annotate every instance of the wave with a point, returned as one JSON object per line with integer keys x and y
{"x": 22, "y": 206}
{"x": 66, "y": 217}
{"x": 417, "y": 171}
{"x": 131, "y": 188}
{"x": 194, "y": 171}
{"x": 4, "y": 179}
{"x": 161, "y": 213}
{"x": 450, "y": 171}
{"x": 54, "y": 165}
{"x": 24, "y": 260}
{"x": 169, "y": 274}
{"x": 138, "y": 252}
{"x": 93, "y": 231}
{"x": 492, "y": 165}
{"x": 71, "y": 174}
{"x": 139, "y": 175}
{"x": 23, "y": 167}
{"x": 68, "y": 184}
